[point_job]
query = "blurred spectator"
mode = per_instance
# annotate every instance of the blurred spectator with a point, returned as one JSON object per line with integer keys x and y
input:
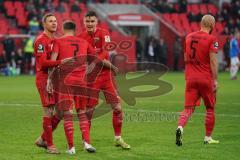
{"x": 149, "y": 49}
{"x": 205, "y": 1}
{"x": 160, "y": 7}
{"x": 182, "y": 6}
{"x": 225, "y": 31}
{"x": 200, "y": 15}
{"x": 60, "y": 7}
{"x": 30, "y": 6}
{"x": 226, "y": 49}
{"x": 235, "y": 9}
{"x": 163, "y": 52}
{"x": 32, "y": 14}
{"x": 33, "y": 26}
{"x": 49, "y": 6}
{"x": 3, "y": 64}
{"x": 192, "y": 17}
{"x": 234, "y": 53}
{"x": 40, "y": 4}
{"x": 225, "y": 14}
{"x": 139, "y": 49}
{"x": 1, "y": 6}
{"x": 75, "y": 7}
{"x": 171, "y": 8}
{"x": 28, "y": 55}
{"x": 238, "y": 23}
{"x": 231, "y": 26}
{"x": 19, "y": 61}
{"x": 9, "y": 47}
{"x": 177, "y": 50}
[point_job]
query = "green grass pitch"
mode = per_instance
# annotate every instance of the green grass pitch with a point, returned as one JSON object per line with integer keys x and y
{"x": 149, "y": 126}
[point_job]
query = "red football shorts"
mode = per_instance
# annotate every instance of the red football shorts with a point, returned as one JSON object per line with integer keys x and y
{"x": 197, "y": 89}
{"x": 74, "y": 96}
{"x": 107, "y": 84}
{"x": 47, "y": 99}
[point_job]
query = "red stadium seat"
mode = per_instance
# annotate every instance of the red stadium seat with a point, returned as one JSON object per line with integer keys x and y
{"x": 195, "y": 26}
{"x": 203, "y": 8}
{"x": 9, "y": 7}
{"x": 13, "y": 31}
{"x": 3, "y": 22}
{"x": 167, "y": 17}
{"x": 189, "y": 8}
{"x": 212, "y": 9}
{"x": 65, "y": 15}
{"x": 195, "y": 9}
{"x": 219, "y": 27}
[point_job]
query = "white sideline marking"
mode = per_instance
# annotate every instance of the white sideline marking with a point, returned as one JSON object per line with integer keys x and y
{"x": 195, "y": 113}
{"x": 182, "y": 102}
{"x": 133, "y": 110}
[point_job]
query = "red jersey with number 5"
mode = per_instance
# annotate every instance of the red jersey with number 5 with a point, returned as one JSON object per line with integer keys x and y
{"x": 198, "y": 46}
{"x": 72, "y": 46}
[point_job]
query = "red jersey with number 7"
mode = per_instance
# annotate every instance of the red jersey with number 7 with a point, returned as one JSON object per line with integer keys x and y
{"x": 72, "y": 46}
{"x": 198, "y": 46}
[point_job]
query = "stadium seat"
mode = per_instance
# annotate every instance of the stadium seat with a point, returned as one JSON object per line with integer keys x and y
{"x": 195, "y": 9}
{"x": 203, "y": 8}
{"x": 212, "y": 9}
{"x": 13, "y": 31}
{"x": 167, "y": 17}
{"x": 219, "y": 27}
{"x": 65, "y": 15}
{"x": 3, "y": 22}
{"x": 8, "y": 5}
{"x": 195, "y": 26}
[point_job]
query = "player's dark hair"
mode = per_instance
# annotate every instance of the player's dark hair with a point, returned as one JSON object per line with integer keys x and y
{"x": 69, "y": 25}
{"x": 44, "y": 19}
{"x": 91, "y": 14}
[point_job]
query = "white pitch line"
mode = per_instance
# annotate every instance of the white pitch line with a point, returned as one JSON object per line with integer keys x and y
{"x": 132, "y": 110}
{"x": 178, "y": 113}
{"x": 182, "y": 102}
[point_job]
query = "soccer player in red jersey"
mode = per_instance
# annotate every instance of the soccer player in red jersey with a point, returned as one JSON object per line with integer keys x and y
{"x": 69, "y": 46}
{"x": 105, "y": 82}
{"x": 42, "y": 49}
{"x": 201, "y": 70}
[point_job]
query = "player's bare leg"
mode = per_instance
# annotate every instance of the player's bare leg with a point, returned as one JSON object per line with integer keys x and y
{"x": 47, "y": 127}
{"x": 117, "y": 119}
{"x": 209, "y": 126}
{"x": 85, "y": 129}
{"x": 182, "y": 121}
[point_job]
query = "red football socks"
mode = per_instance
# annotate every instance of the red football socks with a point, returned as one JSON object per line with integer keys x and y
{"x": 209, "y": 120}
{"x": 47, "y": 127}
{"x": 84, "y": 126}
{"x": 68, "y": 128}
{"x": 117, "y": 118}
{"x": 55, "y": 122}
{"x": 89, "y": 116}
{"x": 185, "y": 115}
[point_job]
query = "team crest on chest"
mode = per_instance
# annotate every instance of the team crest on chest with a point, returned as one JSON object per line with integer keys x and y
{"x": 96, "y": 39}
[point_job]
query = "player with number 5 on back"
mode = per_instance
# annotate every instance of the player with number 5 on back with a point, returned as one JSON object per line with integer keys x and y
{"x": 201, "y": 69}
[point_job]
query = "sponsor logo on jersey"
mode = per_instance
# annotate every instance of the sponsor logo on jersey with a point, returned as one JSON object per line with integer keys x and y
{"x": 40, "y": 48}
{"x": 107, "y": 39}
{"x": 96, "y": 39}
{"x": 216, "y": 45}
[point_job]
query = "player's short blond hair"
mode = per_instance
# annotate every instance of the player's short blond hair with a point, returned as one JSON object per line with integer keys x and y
{"x": 208, "y": 21}
{"x": 44, "y": 18}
